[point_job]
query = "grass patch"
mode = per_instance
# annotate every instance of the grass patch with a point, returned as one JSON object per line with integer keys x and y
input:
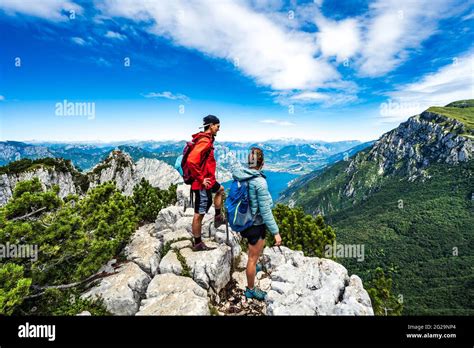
{"x": 213, "y": 310}
{"x": 464, "y": 115}
{"x": 186, "y": 272}
{"x": 166, "y": 248}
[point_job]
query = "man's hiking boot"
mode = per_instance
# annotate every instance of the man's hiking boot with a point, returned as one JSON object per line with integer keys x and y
{"x": 201, "y": 247}
{"x": 255, "y": 293}
{"x": 219, "y": 220}
{"x": 258, "y": 267}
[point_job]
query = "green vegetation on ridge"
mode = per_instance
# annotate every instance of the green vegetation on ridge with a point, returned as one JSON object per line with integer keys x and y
{"x": 74, "y": 237}
{"x": 415, "y": 218}
{"x": 422, "y": 230}
{"x": 463, "y": 115}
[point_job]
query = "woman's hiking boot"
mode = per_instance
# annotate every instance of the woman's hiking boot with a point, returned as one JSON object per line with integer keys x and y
{"x": 255, "y": 293}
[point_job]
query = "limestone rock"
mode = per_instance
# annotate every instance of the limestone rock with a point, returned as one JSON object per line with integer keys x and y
{"x": 210, "y": 269}
{"x": 176, "y": 236}
{"x": 144, "y": 249}
{"x": 169, "y": 294}
{"x": 312, "y": 286}
{"x": 167, "y": 218}
{"x": 181, "y": 244}
{"x": 121, "y": 292}
{"x": 170, "y": 264}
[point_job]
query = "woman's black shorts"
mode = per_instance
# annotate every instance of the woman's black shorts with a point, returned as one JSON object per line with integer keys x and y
{"x": 254, "y": 233}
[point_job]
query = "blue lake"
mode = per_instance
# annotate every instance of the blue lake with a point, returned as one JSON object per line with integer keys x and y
{"x": 277, "y": 182}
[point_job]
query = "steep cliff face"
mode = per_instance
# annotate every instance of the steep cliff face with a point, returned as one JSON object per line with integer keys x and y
{"x": 422, "y": 140}
{"x": 119, "y": 167}
{"x": 50, "y": 172}
{"x": 409, "y": 200}
{"x": 439, "y": 135}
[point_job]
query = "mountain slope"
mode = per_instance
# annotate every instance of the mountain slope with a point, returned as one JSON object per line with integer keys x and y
{"x": 405, "y": 152}
{"x": 409, "y": 200}
{"x": 425, "y": 231}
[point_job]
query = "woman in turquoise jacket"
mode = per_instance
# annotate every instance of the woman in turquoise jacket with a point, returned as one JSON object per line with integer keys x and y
{"x": 261, "y": 204}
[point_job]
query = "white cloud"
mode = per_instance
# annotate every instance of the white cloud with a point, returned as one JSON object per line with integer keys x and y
{"x": 101, "y": 61}
{"x": 334, "y": 93}
{"x": 309, "y": 96}
{"x": 340, "y": 39}
{"x": 278, "y": 123}
{"x": 78, "y": 40}
{"x": 167, "y": 95}
{"x": 452, "y": 82}
{"x": 114, "y": 35}
{"x": 2, "y": 98}
{"x": 271, "y": 54}
{"x": 55, "y": 10}
{"x": 395, "y": 27}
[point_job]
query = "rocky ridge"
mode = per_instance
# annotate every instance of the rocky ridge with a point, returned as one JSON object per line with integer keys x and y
{"x": 161, "y": 275}
{"x": 118, "y": 166}
{"x": 420, "y": 141}
{"x": 48, "y": 179}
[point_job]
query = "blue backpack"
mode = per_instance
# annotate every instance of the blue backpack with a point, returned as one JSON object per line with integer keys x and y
{"x": 237, "y": 206}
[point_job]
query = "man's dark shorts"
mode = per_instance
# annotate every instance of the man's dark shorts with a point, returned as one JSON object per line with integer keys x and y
{"x": 203, "y": 199}
{"x": 254, "y": 233}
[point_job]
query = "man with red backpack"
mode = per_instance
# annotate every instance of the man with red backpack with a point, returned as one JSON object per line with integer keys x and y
{"x": 201, "y": 168}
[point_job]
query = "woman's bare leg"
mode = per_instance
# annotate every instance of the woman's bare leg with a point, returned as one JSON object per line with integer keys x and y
{"x": 254, "y": 253}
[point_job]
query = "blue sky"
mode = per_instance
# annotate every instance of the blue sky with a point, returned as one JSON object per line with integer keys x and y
{"x": 328, "y": 70}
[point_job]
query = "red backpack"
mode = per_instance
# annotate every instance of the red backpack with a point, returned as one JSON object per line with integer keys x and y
{"x": 185, "y": 171}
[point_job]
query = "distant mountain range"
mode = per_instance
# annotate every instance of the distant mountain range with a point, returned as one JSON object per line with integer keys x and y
{"x": 281, "y": 155}
{"x": 409, "y": 198}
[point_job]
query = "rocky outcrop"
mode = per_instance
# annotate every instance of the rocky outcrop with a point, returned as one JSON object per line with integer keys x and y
{"x": 169, "y": 294}
{"x": 210, "y": 269}
{"x": 165, "y": 277}
{"x": 420, "y": 141}
{"x": 144, "y": 249}
{"x": 48, "y": 179}
{"x": 312, "y": 286}
{"x": 120, "y": 168}
{"x": 121, "y": 292}
{"x": 171, "y": 264}
{"x": 439, "y": 137}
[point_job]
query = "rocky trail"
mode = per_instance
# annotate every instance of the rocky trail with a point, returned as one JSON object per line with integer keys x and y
{"x": 161, "y": 275}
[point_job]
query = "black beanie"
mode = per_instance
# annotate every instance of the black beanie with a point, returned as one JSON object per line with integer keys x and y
{"x": 210, "y": 119}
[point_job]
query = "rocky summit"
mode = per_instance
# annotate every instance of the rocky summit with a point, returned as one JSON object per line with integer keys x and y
{"x": 118, "y": 167}
{"x": 161, "y": 275}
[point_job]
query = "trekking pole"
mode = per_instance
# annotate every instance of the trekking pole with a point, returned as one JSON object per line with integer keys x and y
{"x": 226, "y": 221}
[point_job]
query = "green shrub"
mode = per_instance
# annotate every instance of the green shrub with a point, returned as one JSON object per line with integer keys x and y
{"x": 150, "y": 200}
{"x": 300, "y": 231}
{"x": 13, "y": 287}
{"x": 75, "y": 237}
{"x": 380, "y": 292}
